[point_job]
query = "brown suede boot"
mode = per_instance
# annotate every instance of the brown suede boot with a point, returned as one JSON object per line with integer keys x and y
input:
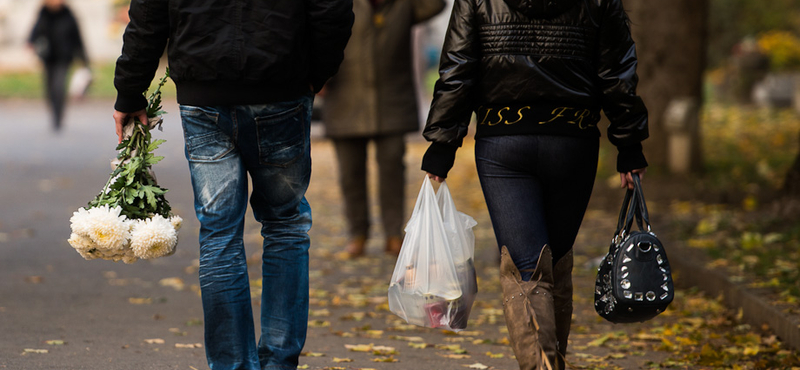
{"x": 356, "y": 246}
{"x": 529, "y": 312}
{"x": 393, "y": 245}
{"x": 562, "y": 299}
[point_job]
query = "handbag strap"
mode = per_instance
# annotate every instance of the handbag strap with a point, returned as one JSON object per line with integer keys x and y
{"x": 626, "y": 214}
{"x": 642, "y": 206}
{"x": 633, "y": 207}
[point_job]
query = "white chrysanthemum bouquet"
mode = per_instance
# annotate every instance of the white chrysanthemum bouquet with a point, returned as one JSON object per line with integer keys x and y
{"x": 130, "y": 219}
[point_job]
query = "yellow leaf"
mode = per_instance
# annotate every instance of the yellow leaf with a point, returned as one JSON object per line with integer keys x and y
{"x": 337, "y": 359}
{"x": 473, "y": 333}
{"x": 320, "y": 313}
{"x": 56, "y": 342}
{"x": 495, "y": 355}
{"x": 751, "y": 350}
{"x": 408, "y": 339}
{"x": 383, "y": 351}
{"x": 140, "y": 300}
{"x": 305, "y": 366}
{"x": 385, "y": 359}
{"x": 374, "y": 333}
{"x": 312, "y": 354}
{"x": 418, "y": 345}
{"x": 154, "y": 341}
{"x": 31, "y": 350}
{"x": 173, "y": 282}
{"x": 600, "y": 341}
{"x": 477, "y": 365}
{"x": 188, "y": 345}
{"x": 359, "y": 347}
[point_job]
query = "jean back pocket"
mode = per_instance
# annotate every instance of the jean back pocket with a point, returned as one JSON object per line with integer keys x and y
{"x": 282, "y": 136}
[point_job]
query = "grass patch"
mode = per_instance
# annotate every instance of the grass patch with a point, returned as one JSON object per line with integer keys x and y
{"x": 30, "y": 85}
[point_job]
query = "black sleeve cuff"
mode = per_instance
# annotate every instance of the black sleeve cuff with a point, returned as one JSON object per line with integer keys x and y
{"x": 439, "y": 159}
{"x": 630, "y": 158}
{"x": 129, "y": 103}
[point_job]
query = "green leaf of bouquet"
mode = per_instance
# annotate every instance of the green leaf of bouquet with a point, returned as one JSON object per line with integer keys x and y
{"x": 130, "y": 197}
{"x": 154, "y": 145}
{"x": 154, "y": 159}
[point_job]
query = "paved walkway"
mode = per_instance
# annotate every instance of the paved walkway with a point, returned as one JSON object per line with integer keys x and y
{"x": 58, "y": 311}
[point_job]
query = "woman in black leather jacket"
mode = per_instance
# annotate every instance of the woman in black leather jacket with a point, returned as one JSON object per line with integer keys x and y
{"x": 537, "y": 73}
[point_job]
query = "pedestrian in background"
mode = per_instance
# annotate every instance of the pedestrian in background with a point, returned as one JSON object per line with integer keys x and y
{"x": 537, "y": 73}
{"x": 373, "y": 99}
{"x": 245, "y": 74}
{"x": 56, "y": 39}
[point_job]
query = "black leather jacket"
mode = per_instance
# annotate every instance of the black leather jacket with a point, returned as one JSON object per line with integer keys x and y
{"x": 232, "y": 52}
{"x": 537, "y": 67}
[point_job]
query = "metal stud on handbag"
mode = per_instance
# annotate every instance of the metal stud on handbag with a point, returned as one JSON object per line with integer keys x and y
{"x": 634, "y": 280}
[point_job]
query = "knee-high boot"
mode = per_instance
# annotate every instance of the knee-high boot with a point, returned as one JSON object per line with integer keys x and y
{"x": 562, "y": 299}
{"x": 529, "y": 312}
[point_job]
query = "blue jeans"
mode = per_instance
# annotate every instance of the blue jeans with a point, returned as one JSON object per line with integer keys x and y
{"x": 537, "y": 188}
{"x": 271, "y": 144}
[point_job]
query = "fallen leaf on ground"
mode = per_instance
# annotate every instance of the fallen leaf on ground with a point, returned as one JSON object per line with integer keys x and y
{"x": 32, "y": 350}
{"x": 189, "y": 345}
{"x": 140, "y": 300}
{"x": 173, "y": 282}
{"x": 312, "y": 354}
{"x": 34, "y": 279}
{"x": 154, "y": 341}
{"x": 477, "y": 365}
{"x": 56, "y": 342}
{"x": 359, "y": 347}
{"x": 178, "y": 332}
{"x": 383, "y": 351}
{"x": 409, "y": 339}
{"x": 337, "y": 359}
{"x": 385, "y": 359}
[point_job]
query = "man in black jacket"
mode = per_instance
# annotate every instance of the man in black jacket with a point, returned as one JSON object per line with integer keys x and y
{"x": 245, "y": 74}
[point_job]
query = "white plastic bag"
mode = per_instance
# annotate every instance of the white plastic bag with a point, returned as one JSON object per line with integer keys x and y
{"x": 79, "y": 83}
{"x": 434, "y": 283}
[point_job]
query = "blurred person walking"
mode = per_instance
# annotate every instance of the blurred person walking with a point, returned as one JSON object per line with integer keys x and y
{"x": 245, "y": 73}
{"x": 537, "y": 73}
{"x": 373, "y": 99}
{"x": 56, "y": 39}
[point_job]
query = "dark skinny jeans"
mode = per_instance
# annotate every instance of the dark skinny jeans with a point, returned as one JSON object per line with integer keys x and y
{"x": 537, "y": 188}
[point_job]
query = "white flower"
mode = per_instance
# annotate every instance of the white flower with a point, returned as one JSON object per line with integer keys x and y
{"x": 176, "y": 222}
{"x": 80, "y": 243}
{"x": 103, "y": 225}
{"x": 153, "y": 238}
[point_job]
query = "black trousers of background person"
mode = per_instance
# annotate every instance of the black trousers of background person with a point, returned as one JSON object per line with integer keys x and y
{"x": 352, "y": 157}
{"x": 56, "y": 89}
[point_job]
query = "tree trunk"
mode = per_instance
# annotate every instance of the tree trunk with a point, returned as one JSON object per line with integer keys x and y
{"x": 791, "y": 185}
{"x": 671, "y": 45}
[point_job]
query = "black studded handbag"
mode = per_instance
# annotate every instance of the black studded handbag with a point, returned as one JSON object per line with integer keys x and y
{"x": 634, "y": 280}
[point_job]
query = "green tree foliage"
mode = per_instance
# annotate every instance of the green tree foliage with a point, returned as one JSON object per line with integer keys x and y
{"x": 732, "y": 20}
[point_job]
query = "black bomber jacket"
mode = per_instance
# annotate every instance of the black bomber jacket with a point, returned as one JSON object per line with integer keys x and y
{"x": 232, "y": 52}
{"x": 536, "y": 67}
